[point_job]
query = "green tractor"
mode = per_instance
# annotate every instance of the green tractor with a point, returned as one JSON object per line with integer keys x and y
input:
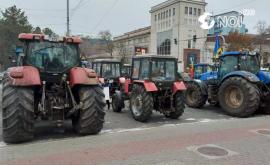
{"x": 154, "y": 85}
{"x": 239, "y": 87}
{"x": 49, "y": 83}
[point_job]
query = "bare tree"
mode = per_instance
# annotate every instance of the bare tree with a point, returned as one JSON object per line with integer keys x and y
{"x": 262, "y": 30}
{"x": 106, "y": 37}
{"x": 238, "y": 41}
{"x": 261, "y": 27}
{"x": 123, "y": 52}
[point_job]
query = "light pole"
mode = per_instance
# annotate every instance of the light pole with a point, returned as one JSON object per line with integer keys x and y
{"x": 68, "y": 30}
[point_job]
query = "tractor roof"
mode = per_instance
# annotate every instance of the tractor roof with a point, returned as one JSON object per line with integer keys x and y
{"x": 235, "y": 53}
{"x": 107, "y": 60}
{"x": 127, "y": 65}
{"x": 42, "y": 37}
{"x": 230, "y": 53}
{"x": 154, "y": 56}
{"x": 203, "y": 64}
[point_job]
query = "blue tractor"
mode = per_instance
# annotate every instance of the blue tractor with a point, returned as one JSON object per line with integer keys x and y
{"x": 202, "y": 71}
{"x": 238, "y": 85}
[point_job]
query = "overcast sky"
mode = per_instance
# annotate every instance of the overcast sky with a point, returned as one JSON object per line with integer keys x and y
{"x": 119, "y": 16}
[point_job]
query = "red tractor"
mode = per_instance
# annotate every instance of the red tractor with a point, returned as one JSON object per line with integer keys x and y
{"x": 109, "y": 73}
{"x": 50, "y": 84}
{"x": 154, "y": 85}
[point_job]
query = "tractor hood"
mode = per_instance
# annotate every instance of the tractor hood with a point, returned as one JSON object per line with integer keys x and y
{"x": 208, "y": 76}
{"x": 264, "y": 77}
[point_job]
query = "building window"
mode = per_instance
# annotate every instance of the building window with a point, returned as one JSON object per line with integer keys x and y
{"x": 190, "y": 21}
{"x": 199, "y": 12}
{"x": 167, "y": 14}
{"x": 190, "y": 11}
{"x": 158, "y": 16}
{"x": 173, "y": 11}
{"x": 189, "y": 44}
{"x": 155, "y": 17}
{"x": 170, "y": 12}
{"x": 186, "y": 21}
{"x": 186, "y": 10}
{"x": 164, "y": 48}
{"x": 195, "y": 11}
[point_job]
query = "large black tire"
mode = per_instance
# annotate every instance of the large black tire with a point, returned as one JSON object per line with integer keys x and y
{"x": 265, "y": 105}
{"x": 141, "y": 103}
{"x": 91, "y": 118}
{"x": 18, "y": 114}
{"x": 179, "y": 106}
{"x": 238, "y": 97}
{"x": 117, "y": 102}
{"x": 194, "y": 96}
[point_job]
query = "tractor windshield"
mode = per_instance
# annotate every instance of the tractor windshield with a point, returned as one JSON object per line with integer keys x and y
{"x": 110, "y": 70}
{"x": 250, "y": 63}
{"x": 163, "y": 70}
{"x": 52, "y": 56}
{"x": 202, "y": 69}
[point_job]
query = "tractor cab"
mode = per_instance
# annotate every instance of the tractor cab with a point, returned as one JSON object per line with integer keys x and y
{"x": 239, "y": 61}
{"x": 109, "y": 69}
{"x": 126, "y": 70}
{"x": 53, "y": 57}
{"x": 109, "y": 73}
{"x": 162, "y": 70}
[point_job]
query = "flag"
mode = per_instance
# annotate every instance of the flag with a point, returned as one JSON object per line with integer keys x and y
{"x": 218, "y": 49}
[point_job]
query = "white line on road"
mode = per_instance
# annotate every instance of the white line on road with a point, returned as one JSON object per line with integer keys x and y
{"x": 115, "y": 131}
{"x": 2, "y": 144}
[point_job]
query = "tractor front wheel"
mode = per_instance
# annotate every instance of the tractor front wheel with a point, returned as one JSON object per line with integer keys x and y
{"x": 179, "y": 106}
{"x": 18, "y": 114}
{"x": 238, "y": 97}
{"x": 141, "y": 103}
{"x": 92, "y": 113}
{"x": 194, "y": 96}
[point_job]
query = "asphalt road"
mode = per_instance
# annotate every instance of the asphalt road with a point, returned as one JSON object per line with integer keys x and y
{"x": 161, "y": 141}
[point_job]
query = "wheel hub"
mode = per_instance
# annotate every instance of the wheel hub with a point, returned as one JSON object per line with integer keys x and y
{"x": 137, "y": 105}
{"x": 234, "y": 97}
{"x": 192, "y": 96}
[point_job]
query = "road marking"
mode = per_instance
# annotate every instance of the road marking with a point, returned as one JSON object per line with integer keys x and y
{"x": 122, "y": 130}
{"x": 190, "y": 119}
{"x": 2, "y": 144}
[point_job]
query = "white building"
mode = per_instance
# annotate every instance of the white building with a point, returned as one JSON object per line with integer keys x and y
{"x": 174, "y": 23}
{"x": 132, "y": 43}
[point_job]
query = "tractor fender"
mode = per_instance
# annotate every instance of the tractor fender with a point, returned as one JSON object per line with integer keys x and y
{"x": 149, "y": 86}
{"x": 178, "y": 86}
{"x": 244, "y": 74}
{"x": 23, "y": 76}
{"x": 127, "y": 85}
{"x": 264, "y": 77}
{"x": 202, "y": 85}
{"x": 83, "y": 76}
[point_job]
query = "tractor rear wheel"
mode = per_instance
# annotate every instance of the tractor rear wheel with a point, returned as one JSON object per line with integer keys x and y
{"x": 117, "y": 102}
{"x": 18, "y": 114}
{"x": 194, "y": 96}
{"x": 179, "y": 106}
{"x": 141, "y": 103}
{"x": 92, "y": 113}
{"x": 265, "y": 105}
{"x": 238, "y": 97}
